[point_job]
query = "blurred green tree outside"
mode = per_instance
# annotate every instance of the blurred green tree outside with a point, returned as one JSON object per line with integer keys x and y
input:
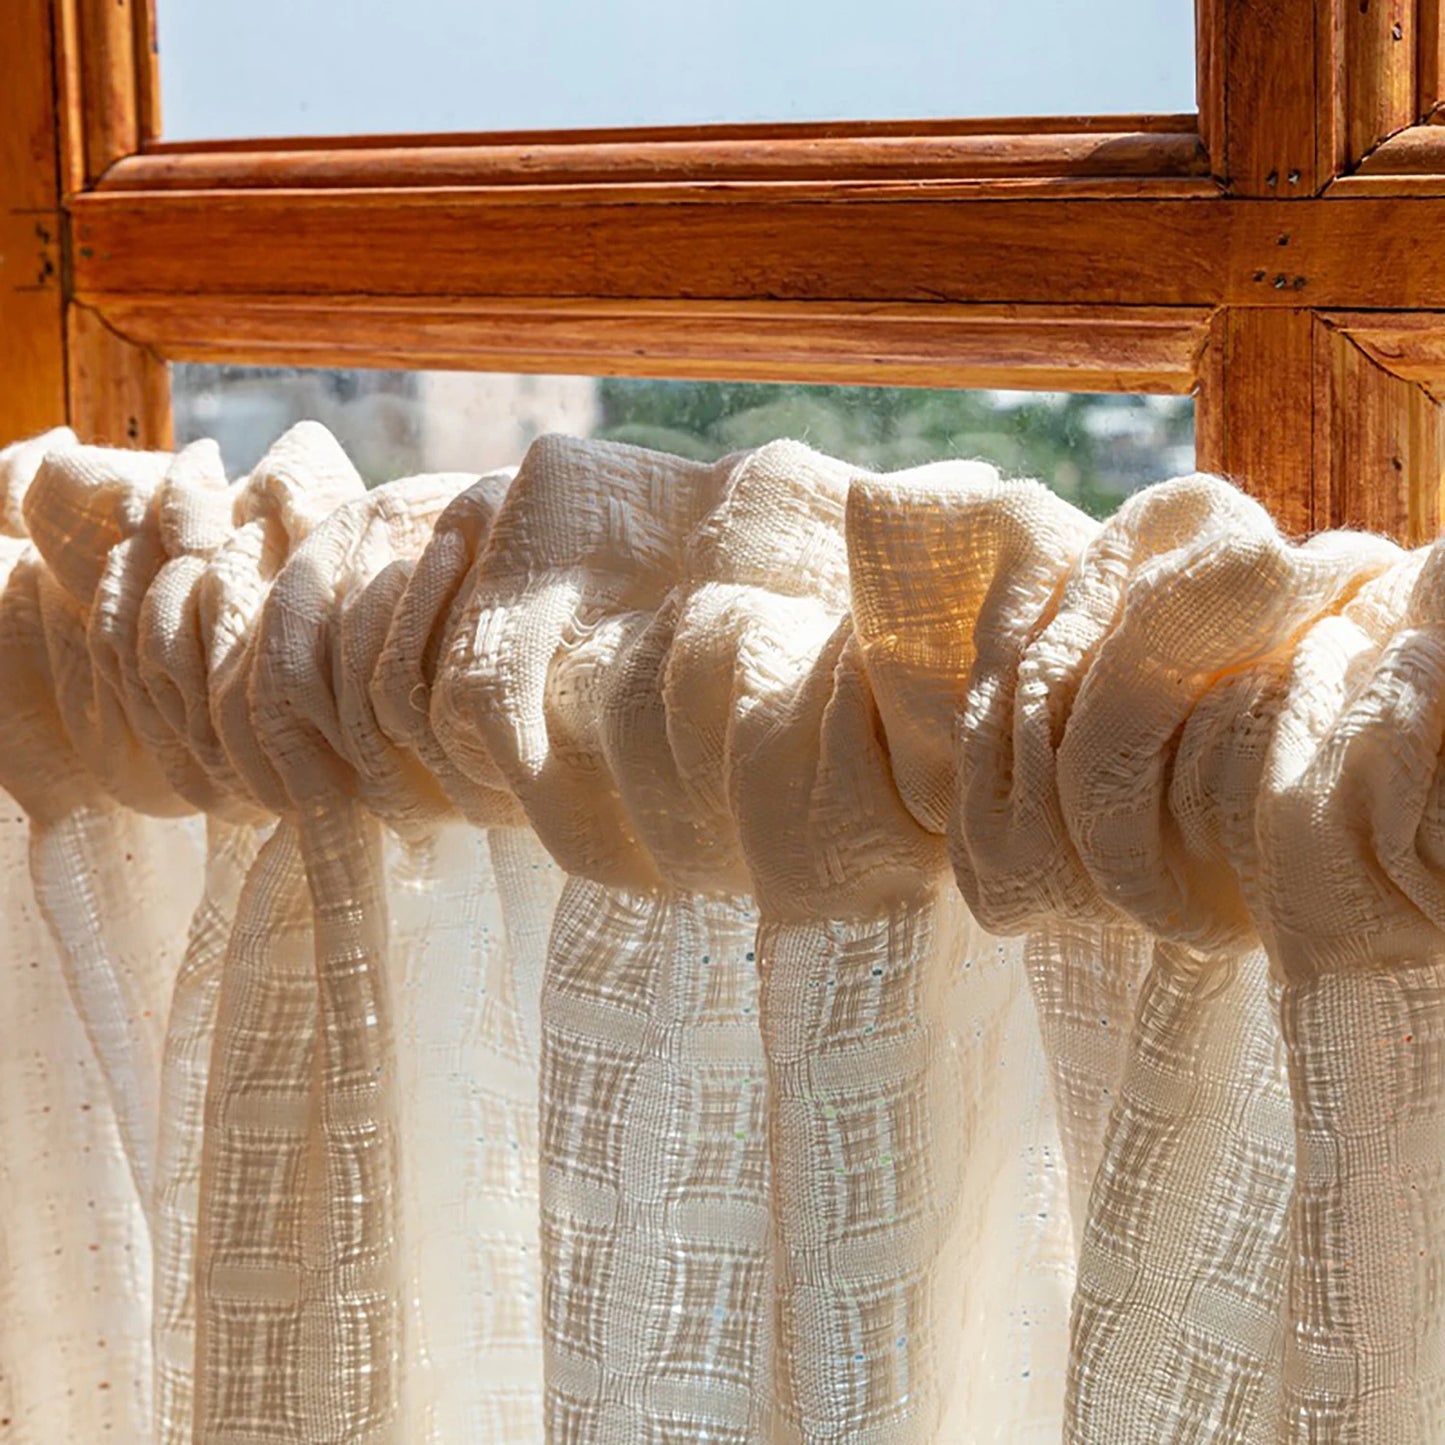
{"x": 1092, "y": 449}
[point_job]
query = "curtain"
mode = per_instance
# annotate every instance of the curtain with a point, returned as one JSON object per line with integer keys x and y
{"x": 637, "y": 951}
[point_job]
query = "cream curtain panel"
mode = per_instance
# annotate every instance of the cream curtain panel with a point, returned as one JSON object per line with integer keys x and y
{"x": 634, "y": 951}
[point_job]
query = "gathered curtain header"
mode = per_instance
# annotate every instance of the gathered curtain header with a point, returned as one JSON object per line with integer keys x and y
{"x": 773, "y": 675}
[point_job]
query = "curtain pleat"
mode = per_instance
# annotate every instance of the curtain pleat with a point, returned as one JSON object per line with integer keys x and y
{"x": 470, "y": 913}
{"x": 739, "y": 951}
{"x": 351, "y": 1318}
{"x": 918, "y": 1182}
{"x": 75, "y": 1289}
{"x": 656, "y": 1240}
{"x": 251, "y": 1255}
{"x": 118, "y": 891}
{"x": 1085, "y": 980}
{"x": 185, "y": 1074}
{"x": 1366, "y": 1055}
{"x": 1176, "y": 1315}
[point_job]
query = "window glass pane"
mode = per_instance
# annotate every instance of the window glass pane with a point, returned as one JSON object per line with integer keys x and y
{"x": 1092, "y": 449}
{"x": 328, "y": 67}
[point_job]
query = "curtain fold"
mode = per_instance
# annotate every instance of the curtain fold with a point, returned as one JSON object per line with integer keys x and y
{"x": 636, "y": 950}
{"x": 1177, "y": 1312}
{"x": 655, "y": 1170}
{"x": 185, "y": 1076}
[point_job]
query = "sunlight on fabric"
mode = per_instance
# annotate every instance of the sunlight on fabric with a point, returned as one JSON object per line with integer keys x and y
{"x": 734, "y": 947}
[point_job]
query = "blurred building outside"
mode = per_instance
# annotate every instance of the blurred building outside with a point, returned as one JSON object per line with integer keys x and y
{"x": 1092, "y": 449}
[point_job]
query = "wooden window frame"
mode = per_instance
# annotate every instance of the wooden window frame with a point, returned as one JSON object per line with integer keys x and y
{"x": 1276, "y": 255}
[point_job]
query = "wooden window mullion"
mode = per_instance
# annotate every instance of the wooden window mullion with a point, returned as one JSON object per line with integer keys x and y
{"x": 1255, "y": 410}
{"x": 1265, "y": 114}
{"x": 32, "y": 397}
{"x": 107, "y": 84}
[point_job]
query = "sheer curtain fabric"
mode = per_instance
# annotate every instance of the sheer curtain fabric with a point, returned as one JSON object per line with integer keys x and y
{"x": 642, "y": 951}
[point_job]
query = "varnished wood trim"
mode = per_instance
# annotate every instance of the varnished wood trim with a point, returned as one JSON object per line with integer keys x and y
{"x": 119, "y": 392}
{"x": 32, "y": 354}
{"x": 757, "y": 132}
{"x": 1429, "y": 56}
{"x": 68, "y": 83}
{"x": 397, "y": 243}
{"x": 1415, "y": 152}
{"x": 1388, "y": 187}
{"x": 105, "y": 82}
{"x": 1294, "y": 93}
{"x": 1390, "y": 101}
{"x": 1376, "y": 80}
{"x": 1255, "y": 410}
{"x": 1264, "y": 77}
{"x": 1209, "y": 78}
{"x": 1325, "y": 417}
{"x": 1381, "y": 437}
{"x": 1409, "y": 163}
{"x": 695, "y": 161}
{"x": 147, "y": 70}
{"x": 109, "y": 76}
{"x": 1409, "y": 345}
{"x": 1368, "y": 253}
{"x": 108, "y": 84}
{"x": 1056, "y": 348}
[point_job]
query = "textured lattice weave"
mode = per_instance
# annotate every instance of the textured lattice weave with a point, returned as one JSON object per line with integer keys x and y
{"x": 742, "y": 952}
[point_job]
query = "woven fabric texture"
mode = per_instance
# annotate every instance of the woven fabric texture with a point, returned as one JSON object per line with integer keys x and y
{"x": 635, "y": 951}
